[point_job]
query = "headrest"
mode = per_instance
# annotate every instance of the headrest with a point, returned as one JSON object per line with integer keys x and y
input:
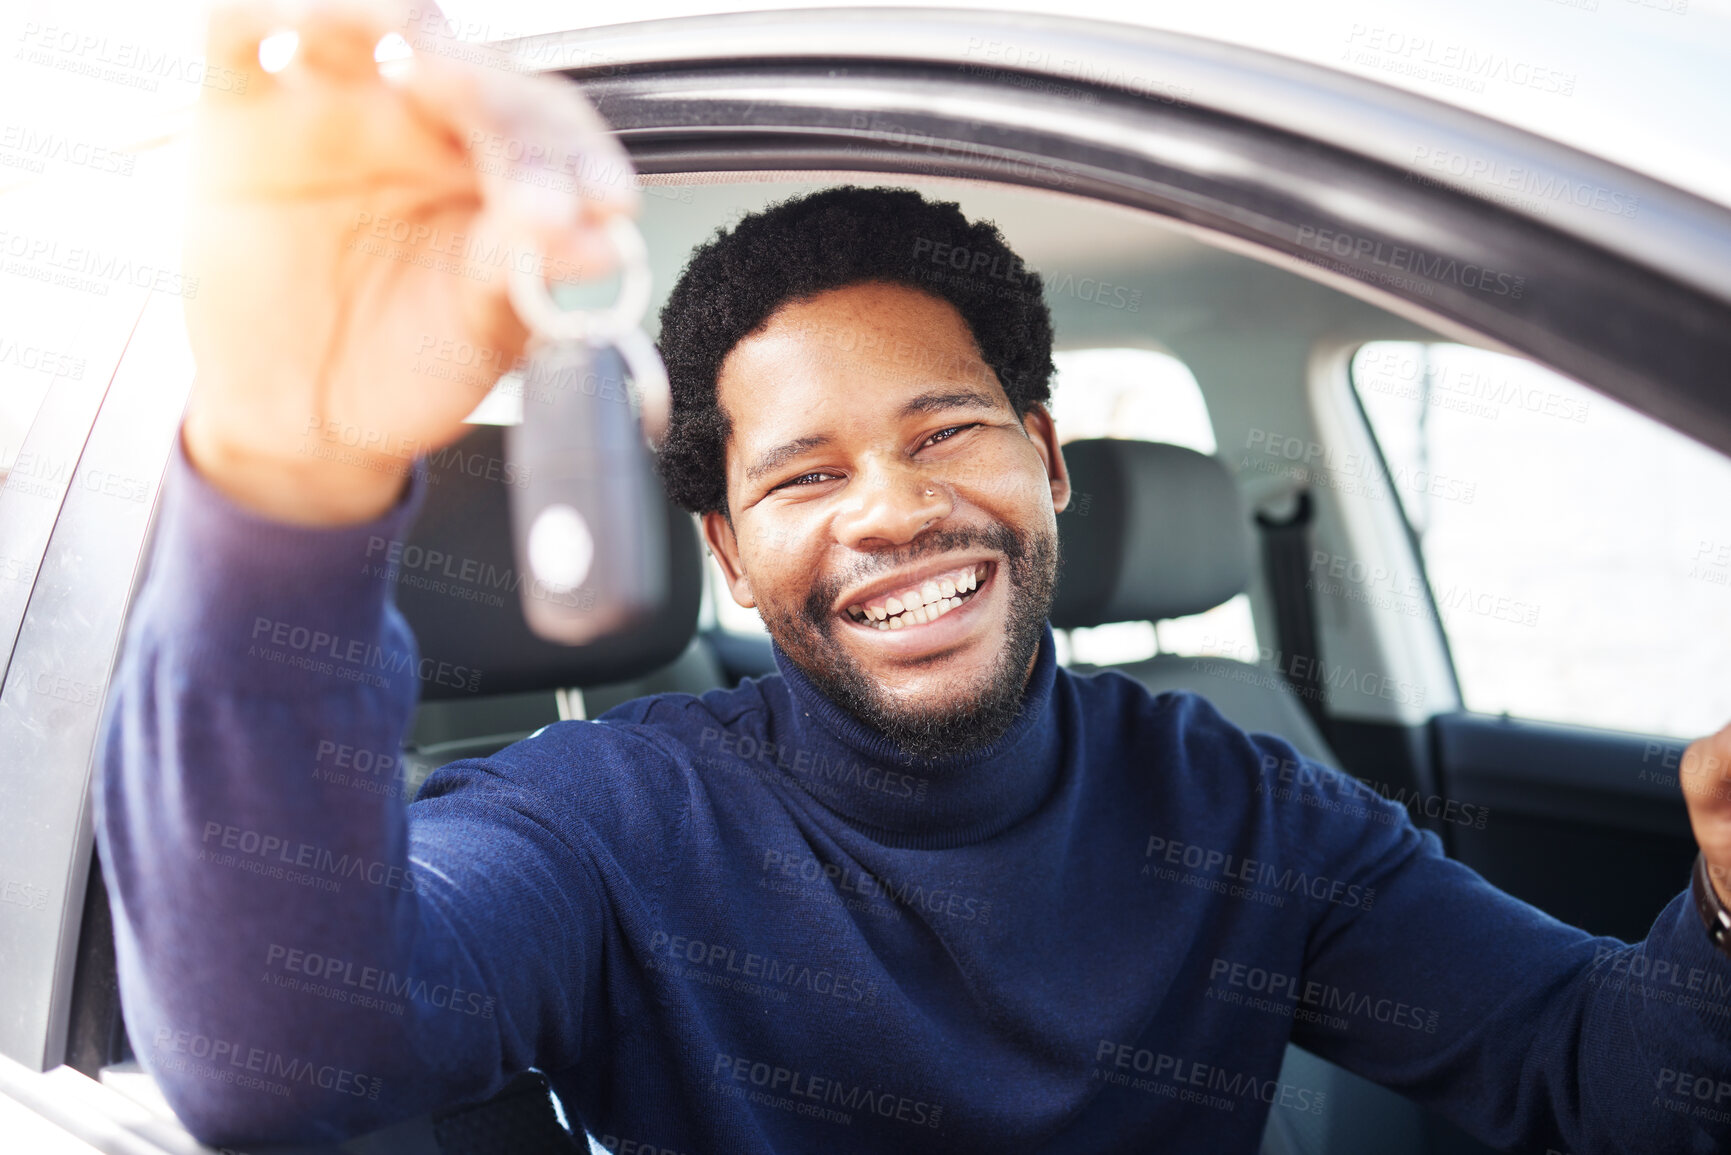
{"x": 1153, "y": 531}
{"x": 458, "y": 587}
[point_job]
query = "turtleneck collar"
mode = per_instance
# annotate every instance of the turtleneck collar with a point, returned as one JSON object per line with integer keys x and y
{"x": 861, "y": 775}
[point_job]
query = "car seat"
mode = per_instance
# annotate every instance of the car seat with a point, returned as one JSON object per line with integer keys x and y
{"x": 1157, "y": 531}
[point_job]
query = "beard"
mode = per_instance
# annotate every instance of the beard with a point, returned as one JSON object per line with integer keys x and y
{"x": 964, "y": 721}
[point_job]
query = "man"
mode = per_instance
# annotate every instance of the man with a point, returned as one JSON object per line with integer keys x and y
{"x": 923, "y": 891}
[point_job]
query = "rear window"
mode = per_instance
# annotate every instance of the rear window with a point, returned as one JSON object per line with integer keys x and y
{"x": 1143, "y": 395}
{"x": 1578, "y": 552}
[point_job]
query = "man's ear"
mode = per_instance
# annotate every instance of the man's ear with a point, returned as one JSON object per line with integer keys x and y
{"x": 1043, "y": 432}
{"x": 718, "y": 532}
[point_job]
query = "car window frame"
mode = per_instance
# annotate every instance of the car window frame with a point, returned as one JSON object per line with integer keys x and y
{"x": 58, "y": 675}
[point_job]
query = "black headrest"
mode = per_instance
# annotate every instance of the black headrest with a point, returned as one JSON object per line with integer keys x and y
{"x": 458, "y": 587}
{"x": 1153, "y": 531}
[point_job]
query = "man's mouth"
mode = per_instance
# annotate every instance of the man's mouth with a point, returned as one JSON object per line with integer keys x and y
{"x": 927, "y": 601}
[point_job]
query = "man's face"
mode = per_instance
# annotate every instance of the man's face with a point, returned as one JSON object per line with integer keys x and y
{"x": 893, "y": 521}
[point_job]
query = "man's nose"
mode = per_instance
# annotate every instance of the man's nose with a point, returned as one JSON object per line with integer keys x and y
{"x": 891, "y": 504}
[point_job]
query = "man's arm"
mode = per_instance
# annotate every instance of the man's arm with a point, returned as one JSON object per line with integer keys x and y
{"x": 1531, "y": 1034}
{"x": 297, "y": 959}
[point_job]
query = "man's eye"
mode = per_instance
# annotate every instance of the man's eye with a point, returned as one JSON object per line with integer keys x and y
{"x": 946, "y": 434}
{"x": 814, "y": 476}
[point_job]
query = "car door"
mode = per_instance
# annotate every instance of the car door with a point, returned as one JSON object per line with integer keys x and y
{"x": 1575, "y": 567}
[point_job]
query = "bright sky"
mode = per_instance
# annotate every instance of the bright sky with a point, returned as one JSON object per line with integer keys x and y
{"x": 1649, "y": 77}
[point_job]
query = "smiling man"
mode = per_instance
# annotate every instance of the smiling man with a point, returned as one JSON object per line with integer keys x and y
{"x": 903, "y": 553}
{"x": 923, "y": 890}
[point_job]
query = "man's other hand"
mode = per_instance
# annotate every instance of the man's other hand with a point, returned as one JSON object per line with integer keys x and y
{"x": 1705, "y": 775}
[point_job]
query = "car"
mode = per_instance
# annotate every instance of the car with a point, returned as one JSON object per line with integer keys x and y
{"x": 1390, "y": 451}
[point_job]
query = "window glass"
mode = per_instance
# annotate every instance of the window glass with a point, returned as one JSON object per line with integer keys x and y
{"x": 43, "y": 331}
{"x": 1132, "y": 393}
{"x": 1142, "y": 395}
{"x": 1579, "y": 553}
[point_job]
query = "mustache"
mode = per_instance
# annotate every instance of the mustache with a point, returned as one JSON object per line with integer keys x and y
{"x": 824, "y": 592}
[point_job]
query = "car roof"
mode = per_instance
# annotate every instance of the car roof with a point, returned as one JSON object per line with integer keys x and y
{"x": 1636, "y": 82}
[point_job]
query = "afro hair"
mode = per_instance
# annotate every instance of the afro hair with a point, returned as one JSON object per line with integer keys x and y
{"x": 827, "y": 240}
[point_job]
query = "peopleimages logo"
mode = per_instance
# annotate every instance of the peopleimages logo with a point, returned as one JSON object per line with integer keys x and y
{"x": 1544, "y": 187}
{"x": 846, "y": 880}
{"x": 818, "y": 771}
{"x": 1399, "y": 258}
{"x": 1238, "y": 982}
{"x": 809, "y": 1094}
{"x": 1327, "y": 789}
{"x": 355, "y": 659}
{"x": 1255, "y": 872}
{"x": 275, "y": 856}
{"x": 762, "y": 968}
{"x": 1190, "y": 1081}
{"x": 333, "y": 971}
{"x": 224, "y": 1059}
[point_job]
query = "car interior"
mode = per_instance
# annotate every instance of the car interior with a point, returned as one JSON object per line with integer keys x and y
{"x": 1185, "y": 567}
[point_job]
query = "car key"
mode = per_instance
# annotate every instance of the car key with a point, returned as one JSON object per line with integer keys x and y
{"x": 589, "y": 518}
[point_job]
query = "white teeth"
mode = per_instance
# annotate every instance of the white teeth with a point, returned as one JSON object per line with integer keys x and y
{"x": 931, "y": 601}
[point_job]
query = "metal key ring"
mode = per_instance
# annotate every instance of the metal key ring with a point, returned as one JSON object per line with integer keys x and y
{"x": 536, "y": 307}
{"x": 649, "y": 379}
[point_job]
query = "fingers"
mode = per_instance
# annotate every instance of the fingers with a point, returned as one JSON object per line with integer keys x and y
{"x": 338, "y": 40}
{"x": 541, "y": 151}
{"x": 543, "y": 155}
{"x": 547, "y": 121}
{"x": 1705, "y": 777}
{"x": 231, "y": 41}
{"x": 1706, "y": 765}
{"x": 549, "y": 172}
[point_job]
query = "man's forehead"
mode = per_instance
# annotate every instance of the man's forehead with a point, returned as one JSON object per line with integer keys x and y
{"x": 828, "y": 348}
{"x": 848, "y": 344}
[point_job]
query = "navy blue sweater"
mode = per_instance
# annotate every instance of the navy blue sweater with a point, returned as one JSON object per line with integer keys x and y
{"x": 742, "y": 922}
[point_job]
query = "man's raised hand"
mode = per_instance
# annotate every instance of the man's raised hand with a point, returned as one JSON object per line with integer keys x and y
{"x": 352, "y": 234}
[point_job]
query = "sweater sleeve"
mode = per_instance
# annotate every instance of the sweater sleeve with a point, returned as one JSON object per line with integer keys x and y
{"x": 302, "y": 957}
{"x": 1530, "y": 1034}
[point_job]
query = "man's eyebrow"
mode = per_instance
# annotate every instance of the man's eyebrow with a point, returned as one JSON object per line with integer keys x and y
{"x": 773, "y": 459}
{"x": 967, "y": 399}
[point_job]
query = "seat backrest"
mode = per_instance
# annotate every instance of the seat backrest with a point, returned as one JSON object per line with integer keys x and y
{"x": 1158, "y": 531}
{"x": 458, "y": 586}
{"x": 1153, "y": 531}
{"x": 1253, "y": 698}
